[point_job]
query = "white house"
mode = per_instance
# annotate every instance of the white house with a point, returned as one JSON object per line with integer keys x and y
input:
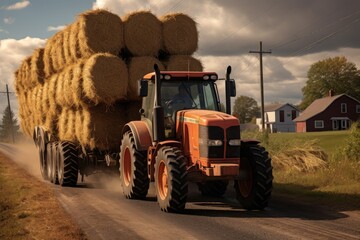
{"x": 279, "y": 117}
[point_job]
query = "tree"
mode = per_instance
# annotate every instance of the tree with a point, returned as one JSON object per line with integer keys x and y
{"x": 336, "y": 74}
{"x": 245, "y": 108}
{"x": 7, "y": 125}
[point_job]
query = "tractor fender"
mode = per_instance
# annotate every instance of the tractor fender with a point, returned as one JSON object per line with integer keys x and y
{"x": 141, "y": 134}
{"x": 245, "y": 142}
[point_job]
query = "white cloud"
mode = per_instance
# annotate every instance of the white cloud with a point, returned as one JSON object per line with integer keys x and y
{"x": 9, "y": 20}
{"x": 58, "y": 28}
{"x": 12, "y": 52}
{"x": 19, "y": 5}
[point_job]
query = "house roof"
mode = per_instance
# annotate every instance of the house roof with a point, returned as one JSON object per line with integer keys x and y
{"x": 317, "y": 107}
{"x": 275, "y": 106}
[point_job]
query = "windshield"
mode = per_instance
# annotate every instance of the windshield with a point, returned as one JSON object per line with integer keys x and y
{"x": 191, "y": 94}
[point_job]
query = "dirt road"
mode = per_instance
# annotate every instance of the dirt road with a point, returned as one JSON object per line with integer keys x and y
{"x": 102, "y": 212}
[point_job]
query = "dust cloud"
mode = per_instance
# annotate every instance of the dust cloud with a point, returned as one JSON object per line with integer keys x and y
{"x": 25, "y": 155}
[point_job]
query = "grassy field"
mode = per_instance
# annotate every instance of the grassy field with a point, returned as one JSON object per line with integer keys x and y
{"x": 335, "y": 183}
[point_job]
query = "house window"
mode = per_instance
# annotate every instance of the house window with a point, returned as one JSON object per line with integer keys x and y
{"x": 357, "y": 108}
{"x": 282, "y": 115}
{"x": 293, "y": 114}
{"x": 343, "y": 108}
{"x": 319, "y": 124}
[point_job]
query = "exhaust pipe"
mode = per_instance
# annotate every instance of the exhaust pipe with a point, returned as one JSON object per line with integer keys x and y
{"x": 158, "y": 125}
{"x": 228, "y": 90}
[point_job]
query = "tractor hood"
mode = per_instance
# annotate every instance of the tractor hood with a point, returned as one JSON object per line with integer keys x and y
{"x": 206, "y": 117}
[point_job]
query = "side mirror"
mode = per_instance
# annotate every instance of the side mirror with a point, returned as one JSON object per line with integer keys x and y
{"x": 232, "y": 88}
{"x": 143, "y": 88}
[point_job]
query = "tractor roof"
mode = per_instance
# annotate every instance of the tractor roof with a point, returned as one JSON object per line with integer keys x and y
{"x": 180, "y": 75}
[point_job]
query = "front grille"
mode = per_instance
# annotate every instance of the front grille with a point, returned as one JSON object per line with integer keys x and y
{"x": 232, "y": 133}
{"x": 212, "y": 133}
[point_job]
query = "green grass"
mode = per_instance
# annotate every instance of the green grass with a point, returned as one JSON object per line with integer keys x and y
{"x": 337, "y": 184}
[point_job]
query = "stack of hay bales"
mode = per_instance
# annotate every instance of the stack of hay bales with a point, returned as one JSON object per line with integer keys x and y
{"x": 82, "y": 86}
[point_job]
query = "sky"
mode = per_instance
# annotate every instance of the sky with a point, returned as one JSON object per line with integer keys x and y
{"x": 298, "y": 34}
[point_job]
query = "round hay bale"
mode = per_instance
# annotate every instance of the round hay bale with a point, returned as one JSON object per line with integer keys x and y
{"x": 96, "y": 130}
{"x": 77, "y": 85}
{"x": 66, "y": 46}
{"x": 62, "y": 123}
{"x": 74, "y": 47}
{"x": 105, "y": 78}
{"x": 138, "y": 67}
{"x": 59, "y": 89}
{"x": 99, "y": 31}
{"x": 67, "y": 91}
{"x": 52, "y": 119}
{"x": 79, "y": 120}
{"x": 48, "y": 68}
{"x": 183, "y": 63}
{"x": 26, "y": 73}
{"x": 45, "y": 98}
{"x": 53, "y": 81}
{"x": 57, "y": 53}
{"x": 142, "y": 33}
{"x": 37, "y": 67}
{"x": 70, "y": 126}
{"x": 180, "y": 35}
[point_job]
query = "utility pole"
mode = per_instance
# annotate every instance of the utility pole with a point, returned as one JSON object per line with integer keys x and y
{"x": 261, "y": 52}
{"x": 8, "y": 100}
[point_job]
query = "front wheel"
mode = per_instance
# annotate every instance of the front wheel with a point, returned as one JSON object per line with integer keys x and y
{"x": 133, "y": 169}
{"x": 171, "y": 179}
{"x": 253, "y": 189}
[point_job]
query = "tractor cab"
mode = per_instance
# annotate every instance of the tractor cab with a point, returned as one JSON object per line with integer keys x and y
{"x": 179, "y": 91}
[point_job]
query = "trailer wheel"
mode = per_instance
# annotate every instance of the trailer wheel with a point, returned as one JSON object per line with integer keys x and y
{"x": 171, "y": 179}
{"x": 213, "y": 188}
{"x": 42, "y": 140}
{"x": 253, "y": 190}
{"x": 67, "y": 163}
{"x": 133, "y": 169}
{"x": 49, "y": 156}
{"x": 53, "y": 163}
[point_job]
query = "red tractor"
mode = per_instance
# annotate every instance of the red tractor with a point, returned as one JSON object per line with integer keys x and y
{"x": 183, "y": 137}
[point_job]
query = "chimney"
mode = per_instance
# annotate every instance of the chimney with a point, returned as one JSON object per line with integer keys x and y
{"x": 331, "y": 93}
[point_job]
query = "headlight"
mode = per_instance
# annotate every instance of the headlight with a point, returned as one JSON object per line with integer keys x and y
{"x": 235, "y": 142}
{"x": 210, "y": 142}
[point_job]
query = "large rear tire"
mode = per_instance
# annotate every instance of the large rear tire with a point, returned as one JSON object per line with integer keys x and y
{"x": 53, "y": 163}
{"x": 253, "y": 190}
{"x": 133, "y": 169}
{"x": 215, "y": 188}
{"x": 67, "y": 163}
{"x": 49, "y": 156}
{"x": 171, "y": 179}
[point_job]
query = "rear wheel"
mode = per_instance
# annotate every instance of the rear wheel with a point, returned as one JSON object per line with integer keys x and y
{"x": 133, "y": 169}
{"x": 213, "y": 188}
{"x": 170, "y": 179}
{"x": 53, "y": 163}
{"x": 49, "y": 157}
{"x": 253, "y": 190}
{"x": 42, "y": 144}
{"x": 67, "y": 163}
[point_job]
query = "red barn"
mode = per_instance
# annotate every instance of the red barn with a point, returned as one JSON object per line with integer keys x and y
{"x": 329, "y": 113}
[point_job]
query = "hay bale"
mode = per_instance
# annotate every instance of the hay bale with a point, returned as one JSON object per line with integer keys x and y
{"x": 74, "y": 47}
{"x": 183, "y": 63}
{"x": 66, "y": 46}
{"x": 59, "y": 95}
{"x": 58, "y": 56}
{"x": 142, "y": 33}
{"x": 69, "y": 134}
{"x": 77, "y": 85}
{"x": 138, "y": 67}
{"x": 180, "y": 35}
{"x": 100, "y": 31}
{"x": 26, "y": 73}
{"x": 67, "y": 91}
{"x": 102, "y": 126}
{"x": 105, "y": 78}
{"x": 53, "y": 81}
{"x": 37, "y": 67}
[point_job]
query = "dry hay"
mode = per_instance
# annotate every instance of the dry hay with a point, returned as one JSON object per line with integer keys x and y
{"x": 105, "y": 79}
{"x": 37, "y": 67}
{"x": 77, "y": 85}
{"x": 306, "y": 158}
{"x": 24, "y": 74}
{"x": 142, "y": 33}
{"x": 93, "y": 32}
{"x": 138, "y": 67}
{"x": 102, "y": 126}
{"x": 183, "y": 63}
{"x": 180, "y": 35}
{"x": 100, "y": 31}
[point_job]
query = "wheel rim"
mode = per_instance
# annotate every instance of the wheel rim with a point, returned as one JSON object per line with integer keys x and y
{"x": 245, "y": 185}
{"x": 60, "y": 164}
{"x": 162, "y": 180}
{"x": 127, "y": 167}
